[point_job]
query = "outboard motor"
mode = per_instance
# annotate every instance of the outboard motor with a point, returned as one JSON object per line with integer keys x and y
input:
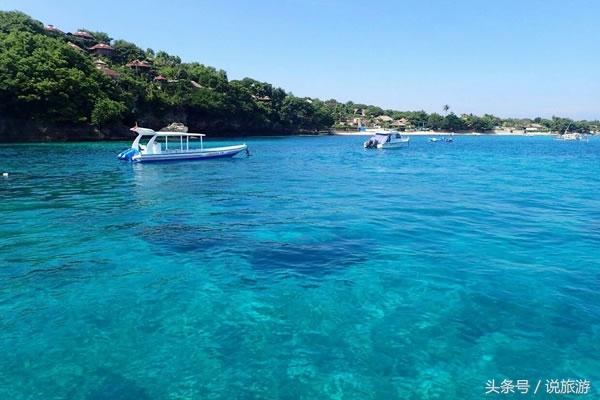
{"x": 127, "y": 155}
{"x": 369, "y": 144}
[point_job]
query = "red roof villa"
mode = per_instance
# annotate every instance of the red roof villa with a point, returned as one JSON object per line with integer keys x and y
{"x": 160, "y": 78}
{"x": 52, "y": 28}
{"x": 73, "y": 45}
{"x": 84, "y": 35}
{"x": 109, "y": 72}
{"x": 138, "y": 64}
{"x": 102, "y": 49}
{"x": 103, "y": 67}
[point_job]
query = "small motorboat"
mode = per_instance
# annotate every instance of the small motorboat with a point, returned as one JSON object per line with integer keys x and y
{"x": 180, "y": 147}
{"x": 442, "y": 139}
{"x": 387, "y": 140}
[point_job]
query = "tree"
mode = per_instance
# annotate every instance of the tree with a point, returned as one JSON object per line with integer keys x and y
{"x": 435, "y": 121}
{"x": 107, "y": 111}
{"x": 453, "y": 123}
{"x": 16, "y": 21}
{"x": 101, "y": 37}
{"x": 50, "y": 82}
{"x": 126, "y": 51}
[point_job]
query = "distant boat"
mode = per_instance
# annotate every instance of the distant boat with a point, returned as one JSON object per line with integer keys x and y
{"x": 571, "y": 136}
{"x": 442, "y": 139}
{"x": 387, "y": 140}
{"x": 180, "y": 148}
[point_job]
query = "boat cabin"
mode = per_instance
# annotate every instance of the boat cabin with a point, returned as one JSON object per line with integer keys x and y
{"x": 156, "y": 144}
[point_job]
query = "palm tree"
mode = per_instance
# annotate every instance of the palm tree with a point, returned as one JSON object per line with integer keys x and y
{"x": 446, "y": 108}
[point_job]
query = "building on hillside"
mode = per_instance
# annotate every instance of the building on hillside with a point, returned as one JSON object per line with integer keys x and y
{"x": 84, "y": 35}
{"x": 73, "y": 45}
{"x": 110, "y": 73}
{"x": 53, "y": 29}
{"x": 102, "y": 49}
{"x": 264, "y": 99}
{"x": 160, "y": 79}
{"x": 103, "y": 67}
{"x": 401, "y": 124}
{"x": 139, "y": 66}
{"x": 384, "y": 118}
{"x": 536, "y": 128}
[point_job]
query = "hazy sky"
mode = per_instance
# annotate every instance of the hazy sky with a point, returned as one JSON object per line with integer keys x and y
{"x": 510, "y": 58}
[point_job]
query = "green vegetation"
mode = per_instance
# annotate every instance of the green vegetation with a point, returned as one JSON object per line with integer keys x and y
{"x": 52, "y": 81}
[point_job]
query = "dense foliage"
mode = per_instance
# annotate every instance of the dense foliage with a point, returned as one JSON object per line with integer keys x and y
{"x": 49, "y": 78}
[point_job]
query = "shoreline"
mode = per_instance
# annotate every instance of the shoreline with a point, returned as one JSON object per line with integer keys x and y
{"x": 441, "y": 133}
{"x": 221, "y": 136}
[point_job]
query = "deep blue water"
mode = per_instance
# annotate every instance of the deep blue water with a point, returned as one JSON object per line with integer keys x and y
{"x": 311, "y": 270}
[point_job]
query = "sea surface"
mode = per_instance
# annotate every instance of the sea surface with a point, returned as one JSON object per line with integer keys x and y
{"x": 312, "y": 269}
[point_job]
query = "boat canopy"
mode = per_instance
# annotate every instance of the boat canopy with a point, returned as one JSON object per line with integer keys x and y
{"x": 381, "y": 138}
{"x": 141, "y": 132}
{"x": 151, "y": 132}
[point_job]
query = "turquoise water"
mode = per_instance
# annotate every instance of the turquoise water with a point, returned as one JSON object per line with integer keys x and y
{"x": 311, "y": 270}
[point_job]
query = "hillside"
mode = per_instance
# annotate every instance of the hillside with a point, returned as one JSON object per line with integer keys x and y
{"x": 86, "y": 86}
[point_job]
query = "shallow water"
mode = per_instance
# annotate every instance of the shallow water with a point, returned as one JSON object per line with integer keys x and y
{"x": 312, "y": 269}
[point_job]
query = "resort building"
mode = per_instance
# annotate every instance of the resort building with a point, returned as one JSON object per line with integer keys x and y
{"x": 536, "y": 128}
{"x": 401, "y": 124}
{"x": 73, "y": 45}
{"x": 264, "y": 99}
{"x": 53, "y": 29}
{"x": 84, "y": 35}
{"x": 102, "y": 49}
{"x": 159, "y": 79}
{"x": 103, "y": 67}
{"x": 384, "y": 118}
{"x": 139, "y": 66}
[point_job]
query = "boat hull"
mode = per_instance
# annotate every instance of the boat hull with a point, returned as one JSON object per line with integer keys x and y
{"x": 206, "y": 154}
{"x": 393, "y": 145}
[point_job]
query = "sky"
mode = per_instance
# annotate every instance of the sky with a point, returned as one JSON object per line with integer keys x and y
{"x": 524, "y": 58}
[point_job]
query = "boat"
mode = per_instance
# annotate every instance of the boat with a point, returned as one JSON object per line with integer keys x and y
{"x": 180, "y": 148}
{"x": 387, "y": 140}
{"x": 570, "y": 136}
{"x": 442, "y": 139}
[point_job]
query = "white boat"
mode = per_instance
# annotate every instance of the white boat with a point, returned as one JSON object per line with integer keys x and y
{"x": 572, "y": 136}
{"x": 442, "y": 139}
{"x": 180, "y": 147}
{"x": 387, "y": 140}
